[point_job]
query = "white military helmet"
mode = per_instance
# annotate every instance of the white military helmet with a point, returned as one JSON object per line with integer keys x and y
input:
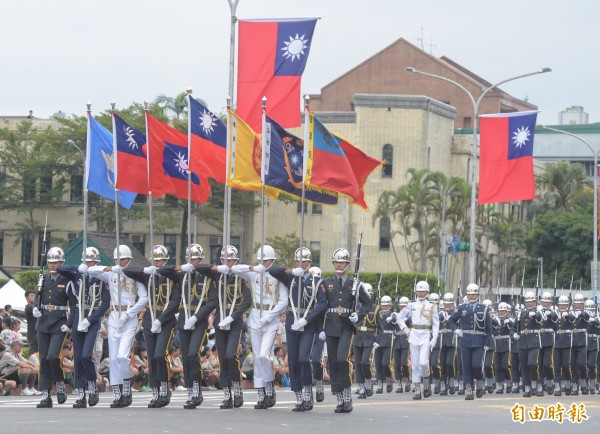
{"x": 472, "y": 289}
{"x": 589, "y": 305}
{"x": 422, "y": 286}
{"x": 229, "y": 252}
{"x": 368, "y": 288}
{"x": 529, "y": 296}
{"x": 386, "y": 300}
{"x": 563, "y": 299}
{"x": 306, "y": 255}
{"x": 503, "y": 306}
{"x": 315, "y": 271}
{"x": 123, "y": 251}
{"x": 403, "y": 301}
{"x": 546, "y": 296}
{"x": 265, "y": 253}
{"x": 91, "y": 254}
{"x": 341, "y": 255}
{"x": 159, "y": 253}
{"x": 194, "y": 251}
{"x": 434, "y": 298}
{"x": 578, "y": 298}
{"x": 487, "y": 302}
{"x": 55, "y": 254}
{"x": 448, "y": 298}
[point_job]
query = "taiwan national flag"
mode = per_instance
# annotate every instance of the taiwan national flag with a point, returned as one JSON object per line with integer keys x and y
{"x": 209, "y": 142}
{"x": 506, "y": 161}
{"x": 131, "y": 157}
{"x": 168, "y": 153}
{"x": 272, "y": 56}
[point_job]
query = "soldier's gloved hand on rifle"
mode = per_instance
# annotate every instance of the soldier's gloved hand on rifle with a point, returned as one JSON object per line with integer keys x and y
{"x": 299, "y": 324}
{"x": 226, "y": 321}
{"x": 65, "y": 328}
{"x": 507, "y": 321}
{"x": 392, "y": 317}
{"x": 262, "y": 322}
{"x": 532, "y": 313}
{"x": 458, "y": 332}
{"x": 353, "y": 317}
{"x": 486, "y": 348}
{"x": 259, "y": 268}
{"x": 564, "y": 314}
{"x": 322, "y": 336}
{"x": 516, "y": 336}
{"x": 375, "y": 346}
{"x": 432, "y": 344}
{"x": 83, "y": 325}
{"x": 156, "y": 325}
{"x": 150, "y": 270}
{"x": 187, "y": 268}
{"x": 82, "y": 268}
{"x": 406, "y": 331}
{"x": 298, "y": 271}
{"x": 116, "y": 269}
{"x": 122, "y": 320}
{"x": 223, "y": 269}
{"x": 190, "y": 323}
{"x": 36, "y": 313}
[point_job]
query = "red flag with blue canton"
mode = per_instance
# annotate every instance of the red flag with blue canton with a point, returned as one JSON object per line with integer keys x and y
{"x": 131, "y": 157}
{"x": 209, "y": 142}
{"x": 272, "y": 56}
{"x": 506, "y": 157}
{"x": 168, "y": 153}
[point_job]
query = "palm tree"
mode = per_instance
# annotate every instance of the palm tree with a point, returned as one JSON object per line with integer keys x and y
{"x": 561, "y": 180}
{"x": 177, "y": 105}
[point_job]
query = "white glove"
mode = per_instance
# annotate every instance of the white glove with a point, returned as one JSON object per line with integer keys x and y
{"x": 223, "y": 269}
{"x": 83, "y": 325}
{"x": 322, "y": 336}
{"x": 299, "y": 324}
{"x": 298, "y": 272}
{"x": 375, "y": 346}
{"x": 226, "y": 321}
{"x": 150, "y": 270}
{"x": 485, "y": 348}
{"x": 156, "y": 325}
{"x": 122, "y": 320}
{"x": 458, "y": 332}
{"x": 506, "y": 321}
{"x": 189, "y": 324}
{"x": 353, "y": 317}
{"x": 187, "y": 268}
{"x": 260, "y": 268}
{"x": 82, "y": 268}
{"x": 65, "y": 328}
{"x": 432, "y": 344}
{"x": 531, "y": 314}
{"x": 406, "y": 331}
{"x": 516, "y": 336}
{"x": 116, "y": 269}
{"x": 262, "y": 322}
{"x": 391, "y": 317}
{"x": 36, "y": 312}
{"x": 564, "y": 314}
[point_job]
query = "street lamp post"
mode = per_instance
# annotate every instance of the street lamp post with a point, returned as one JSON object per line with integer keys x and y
{"x": 595, "y": 247}
{"x": 472, "y": 239}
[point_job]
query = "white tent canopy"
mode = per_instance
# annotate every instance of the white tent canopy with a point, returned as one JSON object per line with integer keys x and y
{"x": 12, "y": 294}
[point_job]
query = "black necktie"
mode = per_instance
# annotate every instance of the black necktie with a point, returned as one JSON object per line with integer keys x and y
{"x": 341, "y": 282}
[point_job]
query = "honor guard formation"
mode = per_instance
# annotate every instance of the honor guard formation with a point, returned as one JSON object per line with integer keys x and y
{"x": 335, "y": 328}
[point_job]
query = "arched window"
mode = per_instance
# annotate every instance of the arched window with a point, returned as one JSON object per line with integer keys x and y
{"x": 388, "y": 156}
{"x": 384, "y": 233}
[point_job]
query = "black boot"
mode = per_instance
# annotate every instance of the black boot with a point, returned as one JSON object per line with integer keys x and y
{"x": 80, "y": 403}
{"x": 226, "y": 404}
{"x": 238, "y": 400}
{"x": 93, "y": 399}
{"x": 320, "y": 396}
{"x": 45, "y": 403}
{"x": 61, "y": 397}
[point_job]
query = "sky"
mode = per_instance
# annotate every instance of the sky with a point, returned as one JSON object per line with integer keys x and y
{"x": 59, "y": 55}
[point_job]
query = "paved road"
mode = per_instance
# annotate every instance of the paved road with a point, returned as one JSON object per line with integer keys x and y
{"x": 387, "y": 413}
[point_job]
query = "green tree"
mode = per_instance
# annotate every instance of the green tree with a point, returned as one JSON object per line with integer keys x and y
{"x": 284, "y": 246}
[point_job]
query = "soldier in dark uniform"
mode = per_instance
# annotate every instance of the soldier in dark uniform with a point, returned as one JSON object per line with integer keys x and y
{"x": 198, "y": 300}
{"x": 52, "y": 301}
{"x": 434, "y": 357}
{"x": 401, "y": 346}
{"x": 548, "y": 337}
{"x": 316, "y": 353}
{"x": 383, "y": 345}
{"x": 342, "y": 297}
{"x": 476, "y": 337}
{"x": 448, "y": 342}
{"x": 527, "y": 333}
{"x": 503, "y": 324}
{"x": 515, "y": 364}
{"x": 562, "y": 347}
{"x": 363, "y": 342}
{"x": 93, "y": 298}
{"x": 164, "y": 298}
{"x": 234, "y": 299}
{"x": 488, "y": 362}
{"x": 307, "y": 305}
{"x": 579, "y": 347}
{"x": 593, "y": 332}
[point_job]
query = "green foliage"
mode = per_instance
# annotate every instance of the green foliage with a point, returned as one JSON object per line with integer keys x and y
{"x": 3, "y": 282}
{"x": 28, "y": 280}
{"x": 284, "y": 246}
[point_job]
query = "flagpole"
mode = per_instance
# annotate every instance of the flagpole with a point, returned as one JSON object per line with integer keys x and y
{"x": 150, "y": 293}
{"x": 227, "y": 191}
{"x": 112, "y": 104}
{"x": 304, "y": 167}
{"x": 266, "y": 137}
{"x": 187, "y": 308}
{"x": 86, "y": 166}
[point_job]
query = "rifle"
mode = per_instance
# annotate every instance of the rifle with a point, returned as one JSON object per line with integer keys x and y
{"x": 571, "y": 291}
{"x": 42, "y": 261}
{"x": 355, "y": 291}
{"x": 460, "y": 295}
{"x": 396, "y": 296}
{"x": 537, "y": 289}
{"x": 414, "y": 292}
{"x": 522, "y": 286}
{"x": 379, "y": 287}
{"x": 554, "y": 299}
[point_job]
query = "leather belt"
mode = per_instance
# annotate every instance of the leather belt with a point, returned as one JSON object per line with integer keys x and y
{"x": 421, "y": 327}
{"x": 264, "y": 307}
{"x": 580, "y": 330}
{"x": 528, "y": 332}
{"x": 51, "y": 307}
{"x": 339, "y": 310}
{"x": 123, "y": 308}
{"x": 474, "y": 332}
{"x": 560, "y": 332}
{"x": 547, "y": 330}
{"x": 502, "y": 337}
{"x": 366, "y": 329}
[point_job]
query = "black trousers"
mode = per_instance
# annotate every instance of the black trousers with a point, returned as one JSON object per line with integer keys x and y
{"x": 338, "y": 353}
{"x": 529, "y": 365}
{"x": 592, "y": 358}
{"x": 299, "y": 347}
{"x": 546, "y": 362}
{"x": 191, "y": 345}
{"x": 472, "y": 364}
{"x": 502, "y": 366}
{"x": 50, "y": 346}
{"x": 578, "y": 363}
{"x": 158, "y": 350}
{"x": 227, "y": 348}
{"x": 515, "y": 366}
{"x": 383, "y": 362}
{"x": 447, "y": 358}
{"x": 83, "y": 348}
{"x": 488, "y": 364}
{"x": 316, "y": 357}
{"x": 400, "y": 363}
{"x": 434, "y": 363}
{"x": 562, "y": 367}
{"x": 362, "y": 363}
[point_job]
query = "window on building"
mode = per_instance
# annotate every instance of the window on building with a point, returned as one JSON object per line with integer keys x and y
{"x": 76, "y": 190}
{"x": 388, "y": 156}
{"x": 384, "y": 233}
{"x": 46, "y": 188}
{"x": 2, "y": 181}
{"x": 139, "y": 242}
{"x": 317, "y": 208}
{"x": 299, "y": 207}
{"x": 467, "y": 122}
{"x": 171, "y": 245}
{"x": 315, "y": 250}
{"x": 216, "y": 244}
{"x": 28, "y": 189}
{"x": 26, "y": 244}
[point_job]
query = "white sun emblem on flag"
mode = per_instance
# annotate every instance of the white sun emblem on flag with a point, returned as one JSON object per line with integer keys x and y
{"x": 208, "y": 122}
{"x": 130, "y": 139}
{"x": 181, "y": 163}
{"x": 521, "y": 136}
{"x": 295, "y": 47}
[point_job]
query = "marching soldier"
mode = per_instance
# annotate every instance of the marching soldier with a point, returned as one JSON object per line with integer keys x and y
{"x": 316, "y": 354}
{"x": 401, "y": 351}
{"x": 579, "y": 347}
{"x": 527, "y": 333}
{"x": 434, "y": 357}
{"x": 503, "y": 325}
{"x": 476, "y": 337}
{"x": 270, "y": 300}
{"x": 93, "y": 300}
{"x": 128, "y": 298}
{"x": 383, "y": 345}
{"x": 515, "y": 364}
{"x": 164, "y": 298}
{"x": 198, "y": 299}
{"x": 307, "y": 306}
{"x": 562, "y": 347}
{"x": 422, "y": 335}
{"x": 342, "y": 297}
{"x": 448, "y": 340}
{"x": 363, "y": 343}
{"x": 488, "y": 369}
{"x": 547, "y": 337}
{"x": 593, "y": 331}
{"x": 52, "y": 301}
{"x": 234, "y": 299}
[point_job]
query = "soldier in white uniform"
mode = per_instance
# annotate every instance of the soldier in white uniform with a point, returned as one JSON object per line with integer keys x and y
{"x": 422, "y": 335}
{"x": 269, "y": 301}
{"x": 128, "y": 298}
